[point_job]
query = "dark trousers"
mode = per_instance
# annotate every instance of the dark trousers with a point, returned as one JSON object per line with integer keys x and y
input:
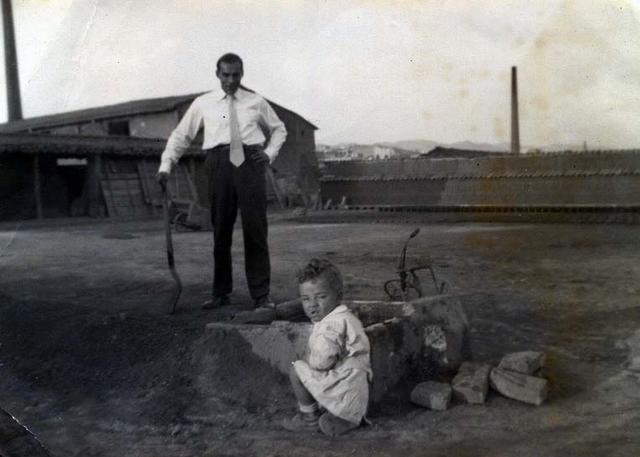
{"x": 232, "y": 188}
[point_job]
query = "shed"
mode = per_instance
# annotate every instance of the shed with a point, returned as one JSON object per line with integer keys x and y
{"x": 83, "y": 162}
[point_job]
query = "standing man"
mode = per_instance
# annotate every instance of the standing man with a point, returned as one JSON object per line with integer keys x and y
{"x": 236, "y": 160}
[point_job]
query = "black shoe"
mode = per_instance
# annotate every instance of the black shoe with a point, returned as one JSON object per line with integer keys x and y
{"x": 216, "y": 302}
{"x": 265, "y": 302}
{"x": 301, "y": 422}
{"x": 332, "y": 426}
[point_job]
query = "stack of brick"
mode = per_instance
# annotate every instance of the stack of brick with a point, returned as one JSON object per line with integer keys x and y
{"x": 432, "y": 395}
{"x": 515, "y": 377}
{"x": 471, "y": 384}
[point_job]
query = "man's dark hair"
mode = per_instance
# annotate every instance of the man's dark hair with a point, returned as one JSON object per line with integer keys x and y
{"x": 229, "y": 58}
{"x": 317, "y": 268}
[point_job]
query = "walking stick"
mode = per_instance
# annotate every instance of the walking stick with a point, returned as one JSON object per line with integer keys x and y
{"x": 172, "y": 266}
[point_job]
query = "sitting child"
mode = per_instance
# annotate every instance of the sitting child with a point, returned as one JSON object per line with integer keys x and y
{"x": 336, "y": 371}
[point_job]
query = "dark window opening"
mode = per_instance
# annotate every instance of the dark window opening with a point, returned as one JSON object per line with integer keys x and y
{"x": 120, "y": 128}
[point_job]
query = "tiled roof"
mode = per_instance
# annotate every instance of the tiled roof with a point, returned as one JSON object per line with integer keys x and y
{"x": 131, "y": 108}
{"x": 508, "y": 175}
{"x": 83, "y": 145}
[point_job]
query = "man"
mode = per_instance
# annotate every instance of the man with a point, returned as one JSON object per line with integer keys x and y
{"x": 236, "y": 160}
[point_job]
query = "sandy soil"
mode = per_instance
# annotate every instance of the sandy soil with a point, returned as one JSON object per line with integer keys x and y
{"x": 92, "y": 363}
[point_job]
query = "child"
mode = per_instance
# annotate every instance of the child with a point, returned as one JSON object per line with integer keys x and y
{"x": 336, "y": 370}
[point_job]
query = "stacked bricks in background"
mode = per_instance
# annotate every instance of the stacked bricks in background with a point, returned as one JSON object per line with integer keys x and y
{"x": 595, "y": 178}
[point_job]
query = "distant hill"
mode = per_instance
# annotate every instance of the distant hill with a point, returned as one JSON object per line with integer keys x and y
{"x": 421, "y": 146}
{"x": 424, "y": 146}
{"x": 408, "y": 148}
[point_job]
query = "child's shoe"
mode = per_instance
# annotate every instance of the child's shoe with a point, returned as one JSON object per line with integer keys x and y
{"x": 331, "y": 425}
{"x": 302, "y": 422}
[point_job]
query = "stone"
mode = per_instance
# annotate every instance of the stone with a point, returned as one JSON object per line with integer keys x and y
{"x": 471, "y": 384}
{"x": 518, "y": 386}
{"x": 526, "y": 362}
{"x": 432, "y": 395}
{"x": 445, "y": 333}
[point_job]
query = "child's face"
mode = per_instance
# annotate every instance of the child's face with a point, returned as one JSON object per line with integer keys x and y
{"x": 319, "y": 298}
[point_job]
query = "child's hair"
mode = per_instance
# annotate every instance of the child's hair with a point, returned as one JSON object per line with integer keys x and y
{"x": 321, "y": 267}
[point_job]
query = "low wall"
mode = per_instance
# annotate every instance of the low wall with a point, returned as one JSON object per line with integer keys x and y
{"x": 584, "y": 179}
{"x": 401, "y": 337}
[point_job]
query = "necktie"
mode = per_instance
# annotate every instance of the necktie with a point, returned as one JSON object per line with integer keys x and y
{"x": 236, "y": 153}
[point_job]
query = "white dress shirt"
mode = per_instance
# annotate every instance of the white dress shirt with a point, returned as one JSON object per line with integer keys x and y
{"x": 211, "y": 111}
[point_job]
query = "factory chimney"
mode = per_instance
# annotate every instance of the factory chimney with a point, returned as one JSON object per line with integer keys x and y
{"x": 515, "y": 123}
{"x": 14, "y": 106}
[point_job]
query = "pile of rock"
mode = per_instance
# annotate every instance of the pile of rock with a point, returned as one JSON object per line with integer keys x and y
{"x": 516, "y": 377}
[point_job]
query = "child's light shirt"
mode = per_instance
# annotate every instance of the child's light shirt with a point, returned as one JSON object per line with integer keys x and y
{"x": 337, "y": 369}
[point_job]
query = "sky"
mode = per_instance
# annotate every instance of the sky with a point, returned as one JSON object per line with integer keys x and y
{"x": 362, "y": 71}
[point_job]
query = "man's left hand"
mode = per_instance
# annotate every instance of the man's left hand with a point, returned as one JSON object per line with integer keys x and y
{"x": 260, "y": 156}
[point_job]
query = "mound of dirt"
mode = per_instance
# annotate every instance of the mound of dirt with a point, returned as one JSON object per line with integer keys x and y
{"x": 154, "y": 369}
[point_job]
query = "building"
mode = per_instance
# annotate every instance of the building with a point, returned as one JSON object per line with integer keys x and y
{"x": 102, "y": 160}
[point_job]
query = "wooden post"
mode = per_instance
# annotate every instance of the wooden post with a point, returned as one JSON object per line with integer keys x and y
{"x": 36, "y": 185}
{"x": 130, "y": 195}
{"x": 92, "y": 198}
{"x": 97, "y": 175}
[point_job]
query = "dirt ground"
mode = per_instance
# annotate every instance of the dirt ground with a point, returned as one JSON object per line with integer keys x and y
{"x": 91, "y": 362}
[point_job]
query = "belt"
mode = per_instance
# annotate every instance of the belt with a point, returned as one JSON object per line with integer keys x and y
{"x": 225, "y": 147}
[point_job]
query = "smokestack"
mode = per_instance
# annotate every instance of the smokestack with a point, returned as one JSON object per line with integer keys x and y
{"x": 14, "y": 106}
{"x": 515, "y": 126}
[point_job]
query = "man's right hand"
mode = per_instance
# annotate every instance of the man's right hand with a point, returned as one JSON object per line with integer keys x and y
{"x": 162, "y": 177}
